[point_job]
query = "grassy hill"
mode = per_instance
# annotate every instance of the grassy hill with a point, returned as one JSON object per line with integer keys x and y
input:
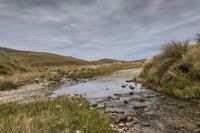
{"x": 37, "y": 59}
{"x": 9, "y": 65}
{"x": 175, "y": 71}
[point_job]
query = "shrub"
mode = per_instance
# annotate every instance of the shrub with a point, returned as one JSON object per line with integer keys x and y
{"x": 175, "y": 71}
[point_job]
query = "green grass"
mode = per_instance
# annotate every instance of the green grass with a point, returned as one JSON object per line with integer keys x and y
{"x": 176, "y": 71}
{"x": 62, "y": 114}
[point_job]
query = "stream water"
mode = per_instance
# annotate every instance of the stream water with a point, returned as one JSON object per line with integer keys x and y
{"x": 150, "y": 111}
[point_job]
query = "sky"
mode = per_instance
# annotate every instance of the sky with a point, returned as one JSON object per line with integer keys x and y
{"x": 94, "y": 29}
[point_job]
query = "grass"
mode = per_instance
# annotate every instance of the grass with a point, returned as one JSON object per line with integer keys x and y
{"x": 62, "y": 114}
{"x": 176, "y": 71}
{"x": 91, "y": 71}
{"x": 9, "y": 65}
{"x": 10, "y": 82}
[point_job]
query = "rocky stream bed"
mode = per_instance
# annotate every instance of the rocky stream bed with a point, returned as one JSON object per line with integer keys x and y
{"x": 135, "y": 109}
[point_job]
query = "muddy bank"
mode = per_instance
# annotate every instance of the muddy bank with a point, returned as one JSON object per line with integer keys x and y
{"x": 134, "y": 108}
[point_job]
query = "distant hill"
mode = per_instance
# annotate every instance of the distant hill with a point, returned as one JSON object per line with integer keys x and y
{"x": 37, "y": 59}
{"x": 106, "y": 60}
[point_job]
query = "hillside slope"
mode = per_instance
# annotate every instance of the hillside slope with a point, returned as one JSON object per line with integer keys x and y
{"x": 37, "y": 59}
{"x": 9, "y": 65}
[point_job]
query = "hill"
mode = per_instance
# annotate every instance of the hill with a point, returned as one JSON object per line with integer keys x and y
{"x": 9, "y": 65}
{"x": 37, "y": 59}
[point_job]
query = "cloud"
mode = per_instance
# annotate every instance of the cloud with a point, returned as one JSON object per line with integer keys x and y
{"x": 93, "y": 29}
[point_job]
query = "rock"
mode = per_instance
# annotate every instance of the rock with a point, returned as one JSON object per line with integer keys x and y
{"x": 145, "y": 124}
{"x": 118, "y": 118}
{"x": 132, "y": 87}
{"x": 123, "y": 86}
{"x": 162, "y": 97}
{"x": 113, "y": 98}
{"x": 78, "y": 131}
{"x": 125, "y": 101}
{"x": 129, "y": 124}
{"x": 121, "y": 124}
{"x": 128, "y": 81}
{"x": 114, "y": 110}
{"x": 131, "y": 93}
{"x": 107, "y": 89}
{"x": 111, "y": 125}
{"x": 179, "y": 126}
{"x": 93, "y": 104}
{"x": 101, "y": 106}
{"x": 139, "y": 106}
{"x": 141, "y": 100}
{"x": 58, "y": 106}
{"x": 150, "y": 113}
{"x": 129, "y": 118}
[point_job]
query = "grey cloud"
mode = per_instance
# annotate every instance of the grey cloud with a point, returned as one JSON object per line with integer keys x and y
{"x": 92, "y": 29}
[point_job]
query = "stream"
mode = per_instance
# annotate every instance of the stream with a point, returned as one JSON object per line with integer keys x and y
{"x": 134, "y": 108}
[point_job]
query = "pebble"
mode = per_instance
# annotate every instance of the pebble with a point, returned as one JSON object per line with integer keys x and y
{"x": 145, "y": 124}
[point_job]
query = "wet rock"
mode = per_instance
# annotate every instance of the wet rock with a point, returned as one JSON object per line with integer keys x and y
{"x": 93, "y": 104}
{"x": 179, "y": 126}
{"x": 141, "y": 100}
{"x": 125, "y": 101}
{"x": 129, "y": 124}
{"x": 145, "y": 124}
{"x": 121, "y": 124}
{"x": 129, "y": 118}
{"x": 113, "y": 98}
{"x": 150, "y": 113}
{"x": 114, "y": 110}
{"x": 131, "y": 93}
{"x": 101, "y": 106}
{"x": 123, "y": 86}
{"x": 162, "y": 97}
{"x": 128, "y": 81}
{"x": 139, "y": 106}
{"x": 116, "y": 119}
{"x": 132, "y": 87}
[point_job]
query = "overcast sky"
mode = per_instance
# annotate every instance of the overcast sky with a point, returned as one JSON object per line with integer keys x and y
{"x": 93, "y": 29}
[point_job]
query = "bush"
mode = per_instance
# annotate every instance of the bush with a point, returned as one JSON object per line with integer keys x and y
{"x": 175, "y": 71}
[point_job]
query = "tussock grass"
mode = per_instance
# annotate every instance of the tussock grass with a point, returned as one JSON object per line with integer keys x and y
{"x": 90, "y": 71}
{"x": 10, "y": 82}
{"x": 62, "y": 114}
{"x": 175, "y": 71}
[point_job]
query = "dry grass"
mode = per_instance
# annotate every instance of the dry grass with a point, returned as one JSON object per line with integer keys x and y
{"x": 60, "y": 115}
{"x": 175, "y": 71}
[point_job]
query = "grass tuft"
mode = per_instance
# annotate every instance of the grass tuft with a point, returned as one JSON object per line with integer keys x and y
{"x": 176, "y": 71}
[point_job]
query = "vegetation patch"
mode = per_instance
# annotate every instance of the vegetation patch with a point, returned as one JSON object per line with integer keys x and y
{"x": 175, "y": 71}
{"x": 63, "y": 114}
